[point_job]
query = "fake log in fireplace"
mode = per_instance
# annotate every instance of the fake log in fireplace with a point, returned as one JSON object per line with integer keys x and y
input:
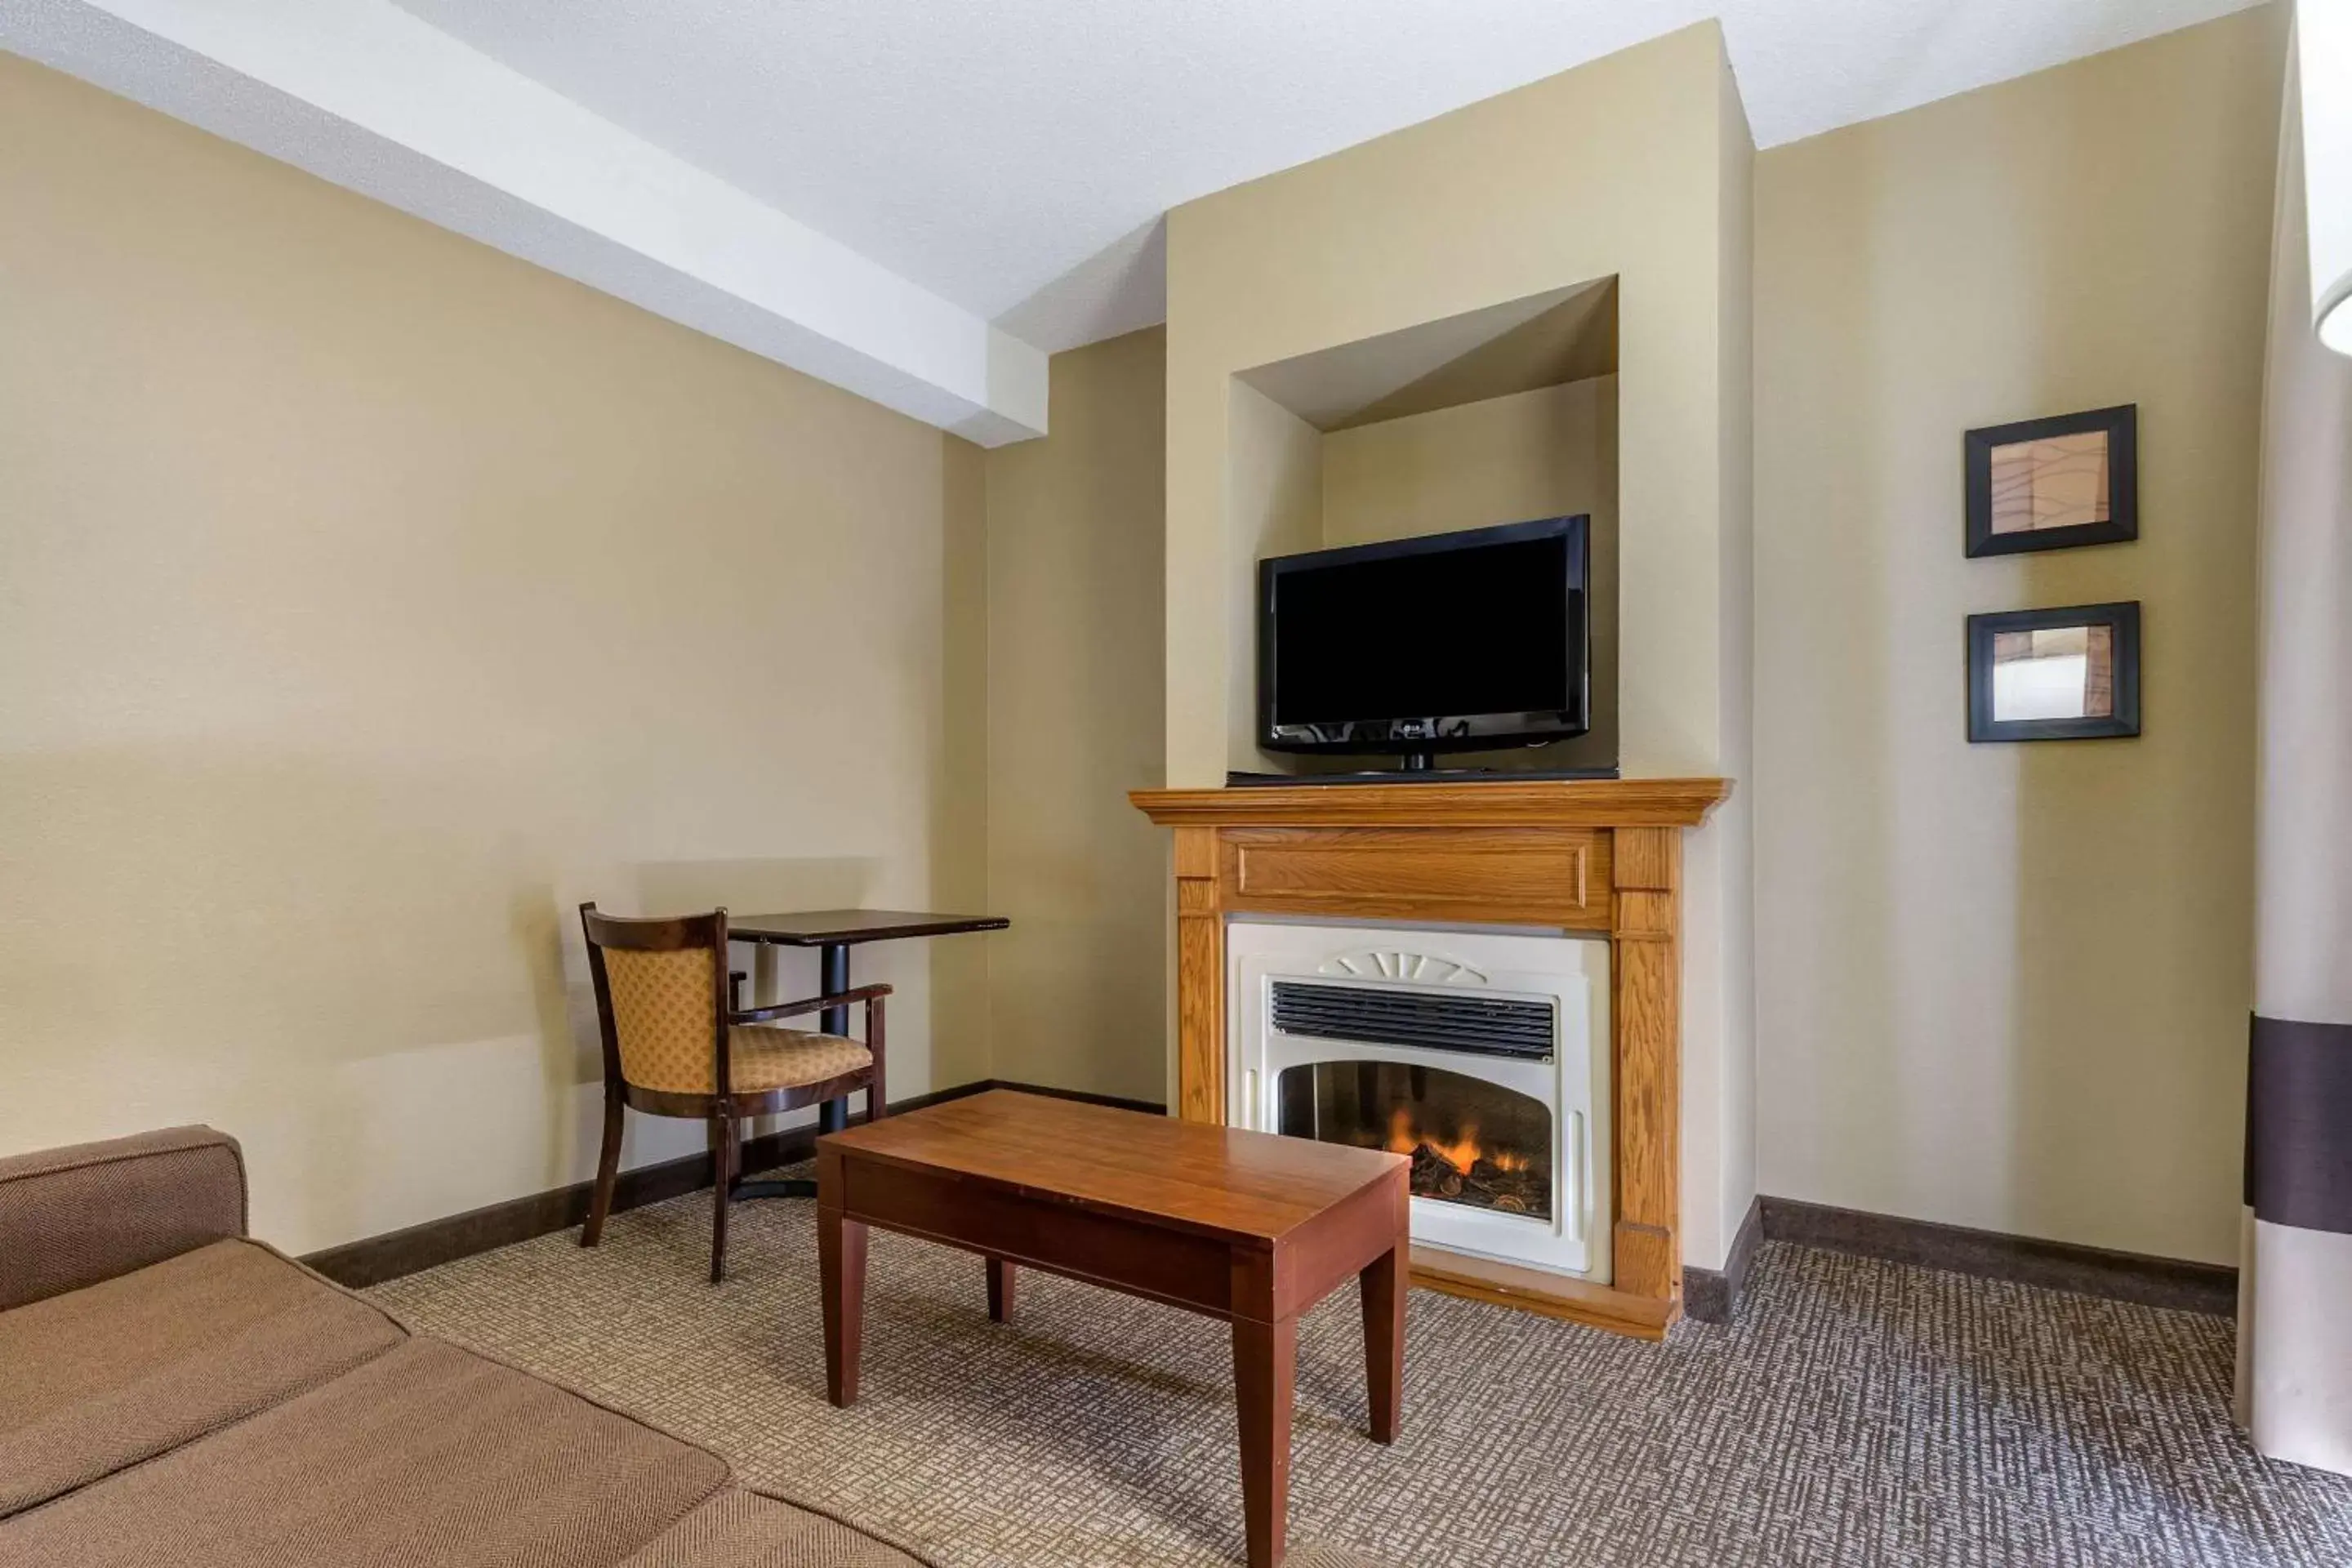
{"x": 1471, "y": 1141}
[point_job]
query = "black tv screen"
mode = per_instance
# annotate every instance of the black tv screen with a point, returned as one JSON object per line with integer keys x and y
{"x": 1452, "y": 642}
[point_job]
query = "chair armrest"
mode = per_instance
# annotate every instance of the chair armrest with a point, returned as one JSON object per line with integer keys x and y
{"x": 73, "y": 1217}
{"x": 869, "y": 995}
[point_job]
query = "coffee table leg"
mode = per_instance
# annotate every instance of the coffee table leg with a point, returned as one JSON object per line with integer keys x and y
{"x": 1383, "y": 1286}
{"x": 1000, "y": 1290}
{"x": 841, "y": 1260}
{"x": 1265, "y": 1358}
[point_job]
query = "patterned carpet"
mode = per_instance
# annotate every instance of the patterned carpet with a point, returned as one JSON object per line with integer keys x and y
{"x": 1857, "y": 1413}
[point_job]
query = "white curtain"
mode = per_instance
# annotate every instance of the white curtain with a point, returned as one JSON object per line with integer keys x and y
{"x": 2294, "y": 1305}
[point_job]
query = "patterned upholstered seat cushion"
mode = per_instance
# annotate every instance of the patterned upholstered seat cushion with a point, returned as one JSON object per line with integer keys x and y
{"x": 765, "y": 1056}
{"x": 665, "y": 1009}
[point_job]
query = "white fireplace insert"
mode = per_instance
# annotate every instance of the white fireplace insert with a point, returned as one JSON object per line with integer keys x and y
{"x": 1480, "y": 1053}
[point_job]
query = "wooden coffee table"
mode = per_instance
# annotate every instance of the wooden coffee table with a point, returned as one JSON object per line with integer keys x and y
{"x": 1241, "y": 1225}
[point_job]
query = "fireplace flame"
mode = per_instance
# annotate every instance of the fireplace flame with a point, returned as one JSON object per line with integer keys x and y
{"x": 1461, "y": 1153}
{"x": 1403, "y": 1139}
{"x": 1462, "y": 1169}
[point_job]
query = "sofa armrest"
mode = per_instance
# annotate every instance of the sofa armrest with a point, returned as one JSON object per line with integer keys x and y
{"x": 73, "y": 1217}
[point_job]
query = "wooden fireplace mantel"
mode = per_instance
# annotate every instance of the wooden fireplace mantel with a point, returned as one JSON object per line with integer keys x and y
{"x": 1600, "y": 857}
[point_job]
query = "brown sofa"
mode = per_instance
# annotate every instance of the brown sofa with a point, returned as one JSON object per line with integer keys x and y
{"x": 174, "y": 1392}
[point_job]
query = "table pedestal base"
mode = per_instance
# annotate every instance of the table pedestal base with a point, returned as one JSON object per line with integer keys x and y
{"x": 831, "y": 1115}
{"x": 777, "y": 1187}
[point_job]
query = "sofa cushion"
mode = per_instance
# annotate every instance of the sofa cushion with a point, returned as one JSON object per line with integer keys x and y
{"x": 120, "y": 1371}
{"x": 425, "y": 1456}
{"x": 741, "y": 1529}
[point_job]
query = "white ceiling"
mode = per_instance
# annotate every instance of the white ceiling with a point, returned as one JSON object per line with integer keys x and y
{"x": 1014, "y": 156}
{"x": 918, "y": 200}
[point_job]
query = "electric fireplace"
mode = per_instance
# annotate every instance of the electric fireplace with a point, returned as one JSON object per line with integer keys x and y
{"x": 1471, "y": 1141}
{"x": 1479, "y": 1054}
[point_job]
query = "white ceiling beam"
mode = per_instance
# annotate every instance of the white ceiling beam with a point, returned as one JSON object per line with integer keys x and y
{"x": 364, "y": 94}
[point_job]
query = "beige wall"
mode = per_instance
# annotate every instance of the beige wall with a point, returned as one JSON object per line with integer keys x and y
{"x": 1387, "y": 234}
{"x": 1549, "y": 452}
{"x": 1391, "y": 234}
{"x": 1274, "y": 506}
{"x": 1720, "y": 872}
{"x": 1075, "y": 698}
{"x": 2007, "y": 986}
{"x": 368, "y": 599}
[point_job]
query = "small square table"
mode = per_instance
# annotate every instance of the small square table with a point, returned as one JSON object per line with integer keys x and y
{"x": 833, "y": 933}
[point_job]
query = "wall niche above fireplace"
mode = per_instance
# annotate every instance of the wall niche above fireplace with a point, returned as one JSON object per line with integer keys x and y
{"x": 1499, "y": 415}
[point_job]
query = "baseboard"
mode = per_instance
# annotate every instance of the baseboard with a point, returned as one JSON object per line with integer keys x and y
{"x": 1709, "y": 1295}
{"x": 2176, "y": 1283}
{"x": 1712, "y": 1295}
{"x": 376, "y": 1259}
{"x": 1148, "y": 1106}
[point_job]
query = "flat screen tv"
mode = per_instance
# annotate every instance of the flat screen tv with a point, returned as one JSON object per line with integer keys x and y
{"x": 1457, "y": 642}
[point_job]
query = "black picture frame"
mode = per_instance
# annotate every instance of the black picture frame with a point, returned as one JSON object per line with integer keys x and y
{"x": 2121, "y": 425}
{"x": 2122, "y": 617}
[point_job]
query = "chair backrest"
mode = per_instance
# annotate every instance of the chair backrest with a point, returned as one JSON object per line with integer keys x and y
{"x": 661, "y": 999}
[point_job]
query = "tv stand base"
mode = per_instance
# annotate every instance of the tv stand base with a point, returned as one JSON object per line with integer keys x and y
{"x": 1422, "y": 774}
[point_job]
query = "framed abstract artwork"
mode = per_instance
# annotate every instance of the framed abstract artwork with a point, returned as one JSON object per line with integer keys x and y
{"x": 2054, "y": 675}
{"x": 2051, "y": 484}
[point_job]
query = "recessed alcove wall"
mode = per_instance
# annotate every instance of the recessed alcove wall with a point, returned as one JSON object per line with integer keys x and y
{"x": 1548, "y": 452}
{"x": 1501, "y": 414}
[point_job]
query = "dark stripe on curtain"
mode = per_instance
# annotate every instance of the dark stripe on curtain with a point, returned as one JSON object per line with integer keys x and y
{"x": 2299, "y": 1124}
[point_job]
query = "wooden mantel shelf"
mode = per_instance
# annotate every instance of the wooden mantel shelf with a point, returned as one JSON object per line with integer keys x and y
{"x": 1532, "y": 803}
{"x": 1600, "y": 856}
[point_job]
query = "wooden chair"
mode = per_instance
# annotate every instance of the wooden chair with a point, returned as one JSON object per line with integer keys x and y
{"x": 678, "y": 1042}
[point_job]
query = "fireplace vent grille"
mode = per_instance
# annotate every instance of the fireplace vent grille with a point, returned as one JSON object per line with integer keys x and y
{"x": 1445, "y": 1021}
